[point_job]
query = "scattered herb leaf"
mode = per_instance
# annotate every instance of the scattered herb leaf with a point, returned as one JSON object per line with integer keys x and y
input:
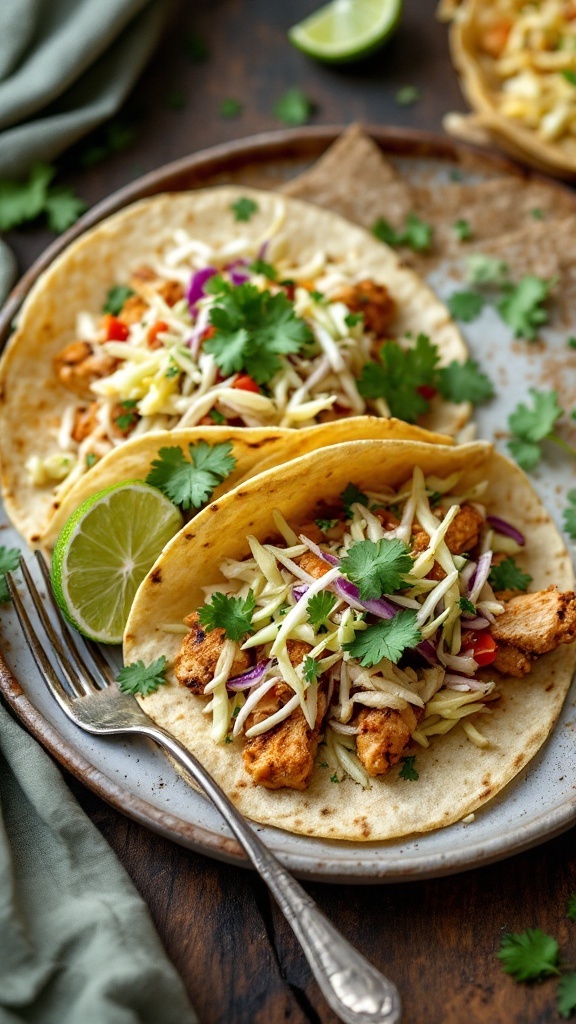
{"x": 569, "y": 514}
{"x": 326, "y": 524}
{"x": 294, "y": 107}
{"x": 569, "y": 75}
{"x": 467, "y": 606}
{"x": 507, "y": 575}
{"x": 9, "y": 561}
{"x": 407, "y": 95}
{"x": 530, "y": 426}
{"x": 399, "y": 375}
{"x": 388, "y": 638}
{"x": 24, "y": 201}
{"x": 537, "y": 214}
{"x": 349, "y": 496}
{"x": 141, "y": 678}
{"x": 522, "y": 306}
{"x": 463, "y": 230}
{"x": 566, "y": 994}
{"x": 486, "y": 270}
{"x": 116, "y": 297}
{"x": 319, "y": 607}
{"x": 261, "y": 267}
{"x": 244, "y": 208}
{"x": 217, "y": 417}
{"x": 466, "y": 305}
{"x": 416, "y": 234}
{"x": 190, "y": 483}
{"x": 351, "y": 319}
{"x": 464, "y": 382}
{"x": 529, "y": 955}
{"x": 311, "y": 669}
{"x": 408, "y": 770}
{"x": 377, "y": 567}
{"x": 230, "y": 108}
{"x": 232, "y": 614}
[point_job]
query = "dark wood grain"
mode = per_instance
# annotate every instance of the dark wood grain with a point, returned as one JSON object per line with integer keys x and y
{"x": 436, "y": 939}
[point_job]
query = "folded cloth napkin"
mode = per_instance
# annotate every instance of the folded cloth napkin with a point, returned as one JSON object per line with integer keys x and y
{"x": 77, "y": 943}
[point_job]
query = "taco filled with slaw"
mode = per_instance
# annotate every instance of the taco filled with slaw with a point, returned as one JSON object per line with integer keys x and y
{"x": 377, "y": 649}
{"x": 227, "y": 306}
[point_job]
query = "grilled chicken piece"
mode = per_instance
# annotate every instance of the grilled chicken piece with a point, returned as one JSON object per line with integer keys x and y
{"x": 537, "y": 623}
{"x": 374, "y": 302}
{"x": 145, "y": 281}
{"x": 85, "y": 421}
{"x": 284, "y": 755}
{"x": 511, "y": 661}
{"x": 77, "y": 366}
{"x": 133, "y": 310}
{"x": 383, "y": 737}
{"x": 313, "y": 565}
{"x": 171, "y": 292}
{"x": 388, "y": 519}
{"x": 198, "y": 655}
{"x": 463, "y": 533}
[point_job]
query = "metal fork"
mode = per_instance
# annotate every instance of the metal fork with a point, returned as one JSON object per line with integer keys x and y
{"x": 356, "y": 991}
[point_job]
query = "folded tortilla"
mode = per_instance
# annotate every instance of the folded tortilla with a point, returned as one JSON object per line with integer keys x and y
{"x": 32, "y": 399}
{"x": 455, "y": 776}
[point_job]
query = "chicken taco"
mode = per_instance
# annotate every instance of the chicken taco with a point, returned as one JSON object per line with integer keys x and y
{"x": 377, "y": 649}
{"x": 224, "y": 306}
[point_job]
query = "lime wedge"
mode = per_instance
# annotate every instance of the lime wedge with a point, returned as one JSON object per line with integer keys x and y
{"x": 103, "y": 553}
{"x": 345, "y": 30}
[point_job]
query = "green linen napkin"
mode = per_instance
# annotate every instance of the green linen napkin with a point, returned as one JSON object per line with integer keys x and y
{"x": 77, "y": 943}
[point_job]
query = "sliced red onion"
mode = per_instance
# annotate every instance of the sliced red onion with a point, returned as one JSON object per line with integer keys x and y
{"x": 480, "y": 576}
{"x": 476, "y": 624}
{"x": 195, "y": 290}
{"x": 456, "y": 682}
{"x": 250, "y": 677}
{"x": 299, "y": 590}
{"x": 324, "y": 555}
{"x": 428, "y": 651}
{"x": 505, "y": 528}
{"x": 350, "y": 593}
{"x": 238, "y": 272}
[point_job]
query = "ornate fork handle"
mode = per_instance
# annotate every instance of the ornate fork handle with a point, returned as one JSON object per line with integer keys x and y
{"x": 354, "y": 989}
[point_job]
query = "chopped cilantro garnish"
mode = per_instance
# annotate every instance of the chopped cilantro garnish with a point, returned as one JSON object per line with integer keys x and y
{"x": 537, "y": 214}
{"x": 571, "y": 907}
{"x": 24, "y": 201}
{"x": 433, "y": 500}
{"x": 236, "y": 711}
{"x": 294, "y": 107}
{"x": 571, "y": 342}
{"x": 190, "y": 483}
{"x": 388, "y": 638}
{"x": 455, "y": 175}
{"x": 349, "y": 496}
{"x": 407, "y": 95}
{"x": 141, "y": 678}
{"x": 569, "y": 75}
{"x": 377, "y": 567}
{"x": 416, "y": 234}
{"x": 195, "y": 48}
{"x": 319, "y": 607}
{"x": 466, "y": 305}
{"x": 566, "y": 995}
{"x": 408, "y": 770}
{"x": 530, "y": 426}
{"x": 399, "y": 375}
{"x": 334, "y": 778}
{"x": 62, "y": 208}
{"x": 172, "y": 371}
{"x": 318, "y": 297}
{"x": 252, "y": 328}
{"x": 244, "y": 208}
{"x": 261, "y": 267}
{"x": 116, "y": 297}
{"x": 126, "y": 420}
{"x": 217, "y": 417}
{"x": 232, "y": 614}
{"x": 522, "y": 306}
{"x": 351, "y": 319}
{"x": 463, "y": 230}
{"x": 464, "y": 382}
{"x": 466, "y": 606}
{"x": 311, "y": 669}
{"x": 569, "y": 514}
{"x": 9, "y": 561}
{"x": 175, "y": 100}
{"x": 529, "y": 955}
{"x": 230, "y": 108}
{"x": 325, "y": 524}
{"x": 486, "y": 270}
{"x": 91, "y": 460}
{"x": 508, "y": 576}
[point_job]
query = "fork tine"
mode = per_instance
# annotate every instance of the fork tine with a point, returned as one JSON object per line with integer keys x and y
{"x": 77, "y": 642}
{"x": 52, "y": 679}
{"x": 78, "y": 679}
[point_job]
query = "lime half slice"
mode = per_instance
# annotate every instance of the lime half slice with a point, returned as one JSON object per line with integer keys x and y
{"x": 103, "y": 553}
{"x": 345, "y": 30}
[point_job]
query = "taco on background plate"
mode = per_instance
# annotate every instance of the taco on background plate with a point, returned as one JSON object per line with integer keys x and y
{"x": 374, "y": 648}
{"x": 222, "y": 306}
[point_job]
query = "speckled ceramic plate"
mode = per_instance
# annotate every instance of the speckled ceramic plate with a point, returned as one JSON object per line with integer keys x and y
{"x": 135, "y": 777}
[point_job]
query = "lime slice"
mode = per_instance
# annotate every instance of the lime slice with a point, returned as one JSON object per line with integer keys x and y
{"x": 346, "y": 29}
{"x": 103, "y": 553}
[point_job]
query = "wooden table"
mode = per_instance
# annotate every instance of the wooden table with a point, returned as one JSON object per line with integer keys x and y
{"x": 436, "y": 939}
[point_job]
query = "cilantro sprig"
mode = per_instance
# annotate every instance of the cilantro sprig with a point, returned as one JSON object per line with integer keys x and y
{"x": 294, "y": 107}
{"x": 190, "y": 482}
{"x": 252, "y": 328}
{"x": 352, "y": 495}
{"x": 377, "y": 567}
{"x": 319, "y": 607}
{"x": 522, "y": 307}
{"x": 311, "y": 669}
{"x": 9, "y": 561}
{"x": 530, "y": 426}
{"x": 244, "y": 208}
{"x": 569, "y": 514}
{"x": 388, "y": 638}
{"x": 416, "y": 234}
{"x": 24, "y": 201}
{"x": 529, "y": 955}
{"x": 408, "y": 770}
{"x": 507, "y": 575}
{"x": 116, "y": 297}
{"x": 466, "y": 305}
{"x": 141, "y": 678}
{"x": 232, "y": 614}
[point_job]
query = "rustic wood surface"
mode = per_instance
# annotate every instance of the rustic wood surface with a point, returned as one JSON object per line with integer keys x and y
{"x": 436, "y": 939}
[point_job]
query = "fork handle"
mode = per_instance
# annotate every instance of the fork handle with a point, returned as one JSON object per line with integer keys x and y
{"x": 355, "y": 990}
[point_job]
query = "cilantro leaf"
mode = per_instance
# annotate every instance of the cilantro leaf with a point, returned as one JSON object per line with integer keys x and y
{"x": 508, "y": 576}
{"x": 408, "y": 770}
{"x": 529, "y": 955}
{"x": 261, "y": 267}
{"x": 9, "y": 562}
{"x": 537, "y": 214}
{"x": 349, "y": 496}
{"x": 416, "y": 234}
{"x": 62, "y": 208}
{"x": 377, "y": 567}
{"x": 319, "y": 607}
{"x": 294, "y": 107}
{"x": 464, "y": 382}
{"x": 466, "y": 305}
{"x": 388, "y": 638}
{"x": 569, "y": 514}
{"x": 486, "y": 270}
{"x": 141, "y": 678}
{"x": 571, "y": 907}
{"x": 526, "y": 454}
{"x": 351, "y": 319}
{"x": 244, "y": 208}
{"x": 407, "y": 95}
{"x": 537, "y": 423}
{"x": 230, "y": 108}
{"x": 311, "y": 669}
{"x": 116, "y": 297}
{"x": 190, "y": 483}
{"x": 566, "y": 993}
{"x": 252, "y": 328}
{"x": 399, "y": 375}
{"x": 569, "y": 75}
{"x": 571, "y": 342}
{"x": 232, "y": 614}
{"x": 522, "y": 309}
{"x": 466, "y": 606}
{"x": 22, "y": 201}
{"x": 217, "y": 417}
{"x": 463, "y": 230}
{"x": 325, "y": 524}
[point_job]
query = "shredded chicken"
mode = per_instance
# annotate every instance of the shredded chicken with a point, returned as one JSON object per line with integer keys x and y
{"x": 374, "y": 302}
{"x": 383, "y": 737}
{"x": 85, "y": 421}
{"x": 537, "y": 623}
{"x": 196, "y": 660}
{"x": 284, "y": 755}
{"x": 463, "y": 533}
{"x": 511, "y": 661}
{"x": 77, "y": 366}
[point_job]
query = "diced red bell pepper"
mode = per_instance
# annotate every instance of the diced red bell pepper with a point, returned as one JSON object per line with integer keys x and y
{"x": 114, "y": 329}
{"x": 481, "y": 646}
{"x": 245, "y": 383}
{"x": 154, "y": 331}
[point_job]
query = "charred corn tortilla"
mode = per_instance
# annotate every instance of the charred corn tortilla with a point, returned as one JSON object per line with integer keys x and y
{"x": 254, "y": 450}
{"x": 33, "y": 400}
{"x": 455, "y": 777}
